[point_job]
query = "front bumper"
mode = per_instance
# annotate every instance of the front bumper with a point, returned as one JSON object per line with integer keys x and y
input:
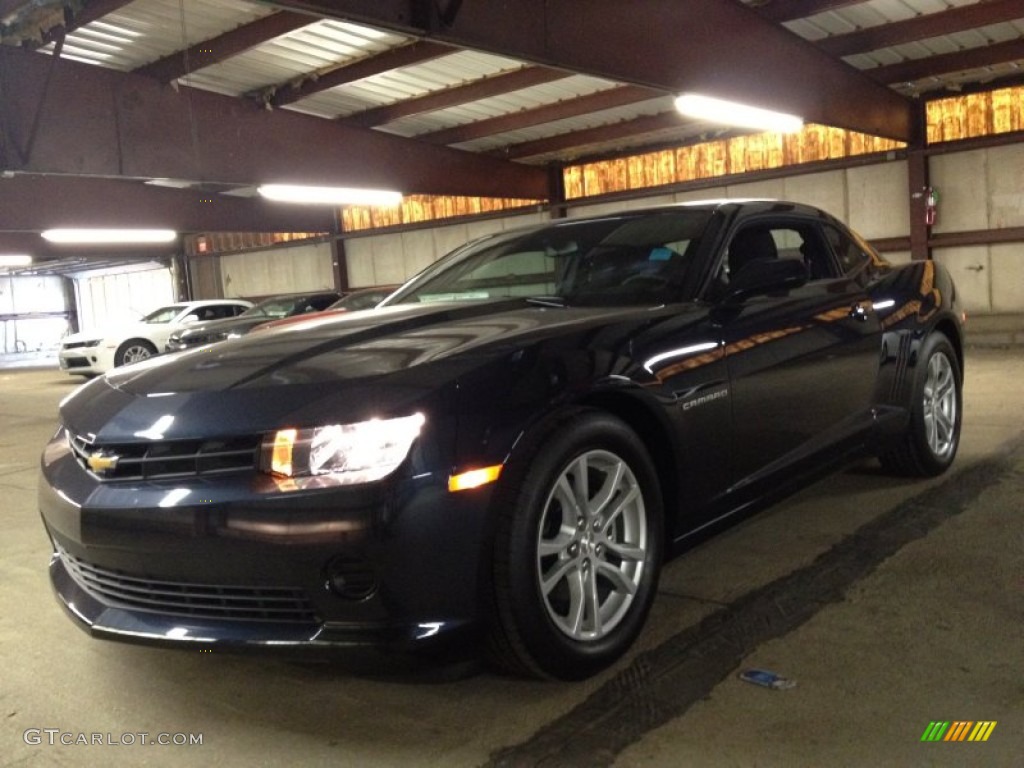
{"x": 80, "y": 360}
{"x": 236, "y": 563}
{"x": 87, "y": 361}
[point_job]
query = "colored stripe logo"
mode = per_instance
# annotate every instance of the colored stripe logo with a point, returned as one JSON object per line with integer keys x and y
{"x": 958, "y": 730}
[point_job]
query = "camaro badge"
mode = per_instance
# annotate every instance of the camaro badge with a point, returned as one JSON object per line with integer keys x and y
{"x": 99, "y": 463}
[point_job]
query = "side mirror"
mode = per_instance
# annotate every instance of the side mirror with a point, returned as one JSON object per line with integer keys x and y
{"x": 763, "y": 276}
{"x": 192, "y": 318}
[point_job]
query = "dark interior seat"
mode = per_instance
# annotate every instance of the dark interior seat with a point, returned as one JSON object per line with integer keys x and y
{"x": 750, "y": 245}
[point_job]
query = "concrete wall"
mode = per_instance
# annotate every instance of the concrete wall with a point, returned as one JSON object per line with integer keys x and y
{"x": 979, "y": 190}
{"x": 393, "y": 258}
{"x": 982, "y": 189}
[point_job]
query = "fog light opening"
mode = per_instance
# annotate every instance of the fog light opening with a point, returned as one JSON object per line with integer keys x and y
{"x": 350, "y": 578}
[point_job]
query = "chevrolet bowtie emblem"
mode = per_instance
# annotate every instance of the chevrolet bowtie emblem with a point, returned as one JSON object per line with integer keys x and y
{"x": 99, "y": 463}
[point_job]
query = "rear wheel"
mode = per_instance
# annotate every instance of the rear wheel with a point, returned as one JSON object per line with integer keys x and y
{"x": 936, "y": 410}
{"x": 133, "y": 351}
{"x": 577, "y": 551}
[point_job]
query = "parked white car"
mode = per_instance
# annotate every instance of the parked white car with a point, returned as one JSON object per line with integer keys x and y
{"x": 91, "y": 353}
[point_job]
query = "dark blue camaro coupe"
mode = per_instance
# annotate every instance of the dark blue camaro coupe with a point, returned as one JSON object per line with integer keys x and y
{"x": 501, "y": 456}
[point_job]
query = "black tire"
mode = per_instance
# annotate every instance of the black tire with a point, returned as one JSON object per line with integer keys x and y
{"x": 132, "y": 351}
{"x": 604, "y": 554}
{"x": 930, "y": 442}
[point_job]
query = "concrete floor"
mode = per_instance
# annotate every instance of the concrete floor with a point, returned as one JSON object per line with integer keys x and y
{"x": 891, "y": 603}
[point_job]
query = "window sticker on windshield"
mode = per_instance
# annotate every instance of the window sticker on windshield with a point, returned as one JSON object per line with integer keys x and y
{"x": 660, "y": 254}
{"x": 463, "y": 296}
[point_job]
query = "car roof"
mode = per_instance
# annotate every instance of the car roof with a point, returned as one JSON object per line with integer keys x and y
{"x": 204, "y": 302}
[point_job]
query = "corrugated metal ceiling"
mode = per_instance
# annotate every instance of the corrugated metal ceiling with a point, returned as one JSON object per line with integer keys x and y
{"x": 145, "y": 31}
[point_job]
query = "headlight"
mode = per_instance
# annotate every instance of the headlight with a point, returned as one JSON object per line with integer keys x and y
{"x": 340, "y": 454}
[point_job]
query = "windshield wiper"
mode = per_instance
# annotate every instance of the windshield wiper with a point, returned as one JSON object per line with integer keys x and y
{"x": 546, "y": 301}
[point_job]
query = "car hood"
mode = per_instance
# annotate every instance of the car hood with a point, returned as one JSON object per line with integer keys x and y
{"x": 387, "y": 361}
{"x": 224, "y": 325}
{"x": 115, "y": 331}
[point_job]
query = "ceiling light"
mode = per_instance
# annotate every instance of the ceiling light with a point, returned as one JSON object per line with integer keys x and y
{"x": 109, "y": 236}
{"x": 293, "y": 193}
{"x": 731, "y": 113}
{"x": 170, "y": 183}
{"x": 15, "y": 260}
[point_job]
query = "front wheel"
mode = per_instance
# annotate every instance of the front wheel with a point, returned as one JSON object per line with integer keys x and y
{"x": 936, "y": 411}
{"x": 133, "y": 351}
{"x": 577, "y": 551}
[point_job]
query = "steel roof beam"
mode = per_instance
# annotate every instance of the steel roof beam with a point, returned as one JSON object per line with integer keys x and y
{"x": 47, "y": 257}
{"x": 396, "y": 58}
{"x": 495, "y": 85}
{"x": 945, "y": 63}
{"x": 548, "y": 113}
{"x": 923, "y": 27}
{"x": 788, "y": 10}
{"x": 36, "y": 203}
{"x": 92, "y": 11}
{"x": 719, "y": 47}
{"x": 580, "y": 140}
{"x": 99, "y": 122}
{"x": 222, "y": 47}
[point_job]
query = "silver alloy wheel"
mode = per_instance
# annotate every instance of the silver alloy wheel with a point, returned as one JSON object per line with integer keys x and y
{"x": 940, "y": 404}
{"x": 591, "y": 545}
{"x": 135, "y": 353}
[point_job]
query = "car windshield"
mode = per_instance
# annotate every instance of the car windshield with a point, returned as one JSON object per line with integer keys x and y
{"x": 361, "y": 299}
{"x": 633, "y": 259}
{"x": 164, "y": 314}
{"x": 273, "y": 308}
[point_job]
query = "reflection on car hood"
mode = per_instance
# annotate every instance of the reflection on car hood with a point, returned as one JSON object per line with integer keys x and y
{"x": 224, "y": 325}
{"x": 355, "y": 366}
{"x": 357, "y": 345}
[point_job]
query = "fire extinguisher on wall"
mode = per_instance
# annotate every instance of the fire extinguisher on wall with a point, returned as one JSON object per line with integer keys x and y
{"x": 931, "y": 200}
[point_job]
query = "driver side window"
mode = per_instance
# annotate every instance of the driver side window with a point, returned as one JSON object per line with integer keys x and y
{"x": 763, "y": 241}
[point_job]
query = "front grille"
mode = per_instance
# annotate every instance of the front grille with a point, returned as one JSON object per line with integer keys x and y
{"x": 117, "y": 589}
{"x": 78, "y": 344}
{"x": 76, "y": 362}
{"x": 168, "y": 458}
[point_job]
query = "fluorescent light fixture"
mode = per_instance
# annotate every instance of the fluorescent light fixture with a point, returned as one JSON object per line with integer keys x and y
{"x": 170, "y": 183}
{"x": 294, "y": 193}
{"x": 732, "y": 113}
{"x": 109, "y": 236}
{"x": 15, "y": 260}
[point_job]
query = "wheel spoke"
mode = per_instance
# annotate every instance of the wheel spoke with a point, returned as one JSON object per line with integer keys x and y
{"x": 577, "y": 605}
{"x": 593, "y": 600}
{"x": 567, "y": 496}
{"x": 557, "y": 573}
{"x": 624, "y": 502}
{"x": 944, "y": 425}
{"x": 581, "y": 472}
{"x": 612, "y": 482}
{"x": 619, "y": 580}
{"x": 626, "y": 551}
{"x": 555, "y": 546}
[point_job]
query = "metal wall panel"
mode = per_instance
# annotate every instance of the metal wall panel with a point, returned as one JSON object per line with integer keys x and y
{"x": 119, "y": 297}
{"x": 277, "y": 270}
